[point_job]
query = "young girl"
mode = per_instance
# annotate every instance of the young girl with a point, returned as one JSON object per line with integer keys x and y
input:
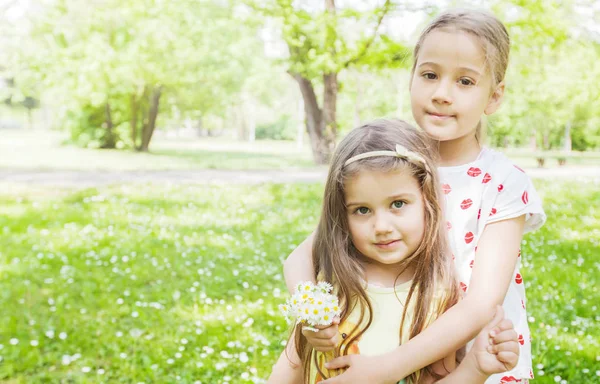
{"x": 381, "y": 241}
{"x": 458, "y": 75}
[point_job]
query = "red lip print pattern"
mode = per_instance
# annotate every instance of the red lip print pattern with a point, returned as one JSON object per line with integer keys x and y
{"x": 525, "y": 197}
{"x": 518, "y": 278}
{"x": 463, "y": 286}
{"x": 493, "y": 212}
{"x": 466, "y": 203}
{"x": 471, "y": 263}
{"x": 486, "y": 178}
{"x": 474, "y": 172}
{"x": 469, "y": 237}
{"x": 521, "y": 340}
{"x": 449, "y": 225}
{"x": 446, "y": 188}
{"x": 509, "y": 379}
{"x": 500, "y": 188}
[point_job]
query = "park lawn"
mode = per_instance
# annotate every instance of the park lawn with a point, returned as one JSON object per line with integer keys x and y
{"x": 166, "y": 284}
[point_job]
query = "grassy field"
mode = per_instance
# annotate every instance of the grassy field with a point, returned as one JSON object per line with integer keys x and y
{"x": 181, "y": 284}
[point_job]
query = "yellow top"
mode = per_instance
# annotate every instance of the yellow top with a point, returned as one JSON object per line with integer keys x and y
{"x": 382, "y": 336}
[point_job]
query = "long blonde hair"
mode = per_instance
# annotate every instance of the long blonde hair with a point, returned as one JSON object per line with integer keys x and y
{"x": 336, "y": 260}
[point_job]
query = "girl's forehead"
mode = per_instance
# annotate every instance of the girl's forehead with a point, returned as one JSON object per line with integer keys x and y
{"x": 451, "y": 48}
{"x": 368, "y": 185}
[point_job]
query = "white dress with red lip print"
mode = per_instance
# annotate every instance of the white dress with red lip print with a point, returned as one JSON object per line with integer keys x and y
{"x": 487, "y": 190}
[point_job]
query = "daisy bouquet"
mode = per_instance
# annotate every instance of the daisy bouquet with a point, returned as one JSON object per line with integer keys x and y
{"x": 311, "y": 305}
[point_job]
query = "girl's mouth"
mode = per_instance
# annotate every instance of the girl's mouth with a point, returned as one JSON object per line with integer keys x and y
{"x": 439, "y": 116}
{"x": 388, "y": 244}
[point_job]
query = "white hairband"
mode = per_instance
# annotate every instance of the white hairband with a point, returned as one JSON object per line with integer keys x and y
{"x": 400, "y": 152}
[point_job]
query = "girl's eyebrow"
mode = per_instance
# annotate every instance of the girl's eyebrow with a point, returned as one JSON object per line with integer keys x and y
{"x": 463, "y": 69}
{"x": 406, "y": 195}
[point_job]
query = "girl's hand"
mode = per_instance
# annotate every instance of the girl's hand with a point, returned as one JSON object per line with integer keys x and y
{"x": 496, "y": 348}
{"x": 326, "y": 339}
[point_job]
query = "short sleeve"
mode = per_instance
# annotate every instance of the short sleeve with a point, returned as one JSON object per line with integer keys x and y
{"x": 516, "y": 196}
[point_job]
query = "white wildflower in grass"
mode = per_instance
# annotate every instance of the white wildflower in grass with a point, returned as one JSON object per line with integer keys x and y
{"x": 311, "y": 305}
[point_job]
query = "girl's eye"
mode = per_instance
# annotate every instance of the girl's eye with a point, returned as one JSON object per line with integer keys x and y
{"x": 429, "y": 76}
{"x": 398, "y": 204}
{"x": 362, "y": 210}
{"x": 466, "y": 82}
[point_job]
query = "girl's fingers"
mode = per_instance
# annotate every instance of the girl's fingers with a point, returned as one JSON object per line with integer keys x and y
{"x": 508, "y": 346}
{"x": 326, "y": 333}
{"x": 511, "y": 346}
{"x": 324, "y": 345}
{"x": 504, "y": 336}
{"x": 509, "y": 359}
{"x": 503, "y": 325}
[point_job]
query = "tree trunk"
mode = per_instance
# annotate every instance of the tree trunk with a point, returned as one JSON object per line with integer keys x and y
{"x": 134, "y": 119}
{"x": 300, "y": 127}
{"x": 200, "y": 127}
{"x": 30, "y": 118}
{"x": 313, "y": 120}
{"x": 330, "y": 90}
{"x": 568, "y": 142}
{"x": 109, "y": 141}
{"x": 150, "y": 124}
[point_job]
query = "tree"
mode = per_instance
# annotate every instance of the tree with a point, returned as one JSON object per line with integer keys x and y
{"x": 321, "y": 45}
{"x": 121, "y": 61}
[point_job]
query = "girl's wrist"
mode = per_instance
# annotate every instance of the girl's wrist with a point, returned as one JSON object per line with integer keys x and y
{"x": 392, "y": 368}
{"x": 469, "y": 372}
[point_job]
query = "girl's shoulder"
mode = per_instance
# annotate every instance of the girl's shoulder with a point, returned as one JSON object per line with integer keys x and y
{"x": 490, "y": 164}
{"x": 498, "y": 164}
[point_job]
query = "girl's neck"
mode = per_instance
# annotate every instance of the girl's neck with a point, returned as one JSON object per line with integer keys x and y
{"x": 387, "y": 275}
{"x": 459, "y": 151}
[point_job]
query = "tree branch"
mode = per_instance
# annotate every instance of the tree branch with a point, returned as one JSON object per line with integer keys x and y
{"x": 365, "y": 48}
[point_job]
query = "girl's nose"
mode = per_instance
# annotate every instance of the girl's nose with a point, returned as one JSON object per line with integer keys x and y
{"x": 443, "y": 93}
{"x": 382, "y": 224}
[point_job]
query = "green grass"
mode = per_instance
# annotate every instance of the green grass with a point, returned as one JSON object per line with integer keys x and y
{"x": 173, "y": 284}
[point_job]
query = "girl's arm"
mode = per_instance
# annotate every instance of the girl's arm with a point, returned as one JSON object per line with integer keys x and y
{"x": 288, "y": 369}
{"x": 495, "y": 350}
{"x": 493, "y": 271}
{"x": 298, "y": 266}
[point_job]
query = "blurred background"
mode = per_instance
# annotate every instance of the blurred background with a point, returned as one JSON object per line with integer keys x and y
{"x": 289, "y": 75}
{"x": 160, "y": 159}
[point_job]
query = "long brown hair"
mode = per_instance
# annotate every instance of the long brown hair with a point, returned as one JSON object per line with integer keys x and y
{"x": 336, "y": 260}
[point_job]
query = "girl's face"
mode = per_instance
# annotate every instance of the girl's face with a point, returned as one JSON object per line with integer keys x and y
{"x": 386, "y": 215}
{"x": 451, "y": 87}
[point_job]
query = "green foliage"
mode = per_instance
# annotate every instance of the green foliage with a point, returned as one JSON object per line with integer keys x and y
{"x": 110, "y": 52}
{"x": 281, "y": 129}
{"x": 208, "y": 58}
{"x": 550, "y": 80}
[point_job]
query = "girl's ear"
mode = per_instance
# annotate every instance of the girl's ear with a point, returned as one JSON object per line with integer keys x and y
{"x": 495, "y": 99}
